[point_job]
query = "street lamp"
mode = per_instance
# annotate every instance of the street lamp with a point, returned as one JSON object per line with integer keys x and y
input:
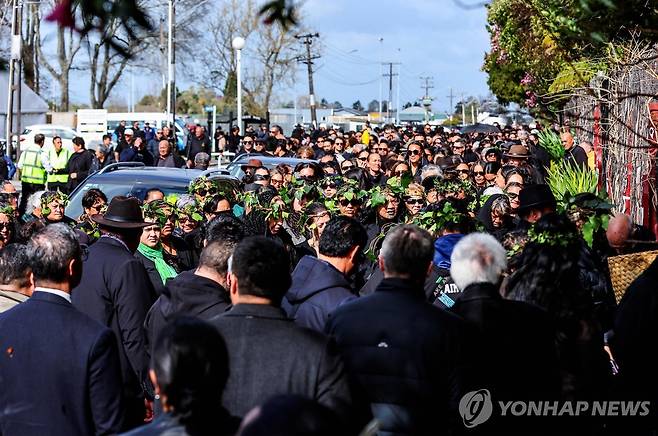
{"x": 238, "y": 45}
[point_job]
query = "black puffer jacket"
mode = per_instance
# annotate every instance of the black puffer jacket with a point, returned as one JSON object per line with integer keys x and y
{"x": 406, "y": 355}
{"x": 187, "y": 294}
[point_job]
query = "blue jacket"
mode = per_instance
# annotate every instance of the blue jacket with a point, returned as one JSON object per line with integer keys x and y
{"x": 317, "y": 290}
{"x": 59, "y": 371}
{"x": 443, "y": 249}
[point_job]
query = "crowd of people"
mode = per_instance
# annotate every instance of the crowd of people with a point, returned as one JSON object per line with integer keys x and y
{"x": 365, "y": 290}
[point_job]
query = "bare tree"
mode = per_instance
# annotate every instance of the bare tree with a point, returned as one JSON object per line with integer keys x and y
{"x": 268, "y": 55}
{"x": 30, "y": 37}
{"x": 68, "y": 46}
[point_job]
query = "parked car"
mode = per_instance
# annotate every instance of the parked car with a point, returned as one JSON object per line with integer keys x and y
{"x": 235, "y": 168}
{"x": 49, "y": 131}
{"x": 134, "y": 179}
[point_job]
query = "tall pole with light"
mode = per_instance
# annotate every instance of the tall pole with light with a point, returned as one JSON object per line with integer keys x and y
{"x": 170, "y": 59}
{"x": 238, "y": 45}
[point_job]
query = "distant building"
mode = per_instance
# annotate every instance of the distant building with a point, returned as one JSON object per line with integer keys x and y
{"x": 33, "y": 107}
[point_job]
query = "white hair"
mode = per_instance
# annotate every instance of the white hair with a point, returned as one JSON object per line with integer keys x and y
{"x": 477, "y": 258}
{"x": 33, "y": 202}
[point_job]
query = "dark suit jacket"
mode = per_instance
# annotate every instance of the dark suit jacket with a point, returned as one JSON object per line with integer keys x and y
{"x": 406, "y": 355}
{"x": 270, "y": 355}
{"x": 115, "y": 290}
{"x": 58, "y": 371}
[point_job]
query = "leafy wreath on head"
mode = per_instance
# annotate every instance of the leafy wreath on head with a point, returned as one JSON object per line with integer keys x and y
{"x": 49, "y": 197}
{"x": 156, "y": 210}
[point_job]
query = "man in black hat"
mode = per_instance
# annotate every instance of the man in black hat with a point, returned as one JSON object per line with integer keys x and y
{"x": 115, "y": 290}
{"x": 535, "y": 201}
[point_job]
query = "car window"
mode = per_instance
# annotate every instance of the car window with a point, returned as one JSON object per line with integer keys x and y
{"x": 26, "y": 131}
{"x": 48, "y": 133}
{"x": 65, "y": 134}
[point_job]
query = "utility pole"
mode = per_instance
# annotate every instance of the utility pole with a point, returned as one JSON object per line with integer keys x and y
{"x": 451, "y": 97}
{"x": 381, "y": 72}
{"x": 13, "y": 60}
{"x": 390, "y": 76}
{"x": 427, "y": 100}
{"x": 308, "y": 40}
{"x": 427, "y": 86}
{"x": 463, "y": 111}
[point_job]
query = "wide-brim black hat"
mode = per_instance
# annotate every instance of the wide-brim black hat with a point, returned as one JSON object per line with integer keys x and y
{"x": 535, "y": 197}
{"x": 122, "y": 213}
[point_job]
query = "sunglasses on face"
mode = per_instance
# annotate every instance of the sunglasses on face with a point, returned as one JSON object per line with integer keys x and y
{"x": 414, "y": 152}
{"x": 363, "y": 159}
{"x": 259, "y": 144}
{"x": 354, "y": 202}
{"x": 479, "y": 173}
{"x": 261, "y": 177}
{"x": 5, "y": 226}
{"x": 204, "y": 192}
{"x": 410, "y": 200}
{"x": 339, "y": 143}
{"x": 329, "y": 186}
{"x": 512, "y": 196}
{"x": 462, "y": 171}
{"x": 247, "y": 142}
{"x": 347, "y": 167}
{"x": 274, "y": 181}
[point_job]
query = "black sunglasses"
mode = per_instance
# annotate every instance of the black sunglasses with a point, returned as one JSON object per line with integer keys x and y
{"x": 354, "y": 202}
{"x": 261, "y": 177}
{"x": 478, "y": 173}
{"x": 414, "y": 152}
{"x": 463, "y": 171}
{"x": 410, "y": 200}
{"x": 363, "y": 159}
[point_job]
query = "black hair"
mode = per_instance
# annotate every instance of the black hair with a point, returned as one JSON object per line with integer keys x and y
{"x": 262, "y": 267}
{"x": 548, "y": 273}
{"x": 79, "y": 141}
{"x": 224, "y": 227}
{"x": 211, "y": 205}
{"x": 14, "y": 265}
{"x": 50, "y": 250}
{"x": 92, "y": 196}
{"x": 191, "y": 364}
{"x": 341, "y": 235}
{"x": 491, "y": 168}
{"x": 106, "y": 136}
{"x": 361, "y": 177}
{"x": 39, "y": 138}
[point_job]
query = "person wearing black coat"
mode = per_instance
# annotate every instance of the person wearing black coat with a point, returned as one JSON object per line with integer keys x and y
{"x": 511, "y": 344}
{"x": 115, "y": 290}
{"x": 268, "y": 353}
{"x": 635, "y": 339}
{"x": 405, "y": 354}
{"x": 79, "y": 165}
{"x": 320, "y": 285}
{"x": 200, "y": 293}
{"x": 58, "y": 367}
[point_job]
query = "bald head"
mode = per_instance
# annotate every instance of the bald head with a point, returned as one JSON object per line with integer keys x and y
{"x": 619, "y": 230}
{"x": 567, "y": 140}
{"x": 164, "y": 148}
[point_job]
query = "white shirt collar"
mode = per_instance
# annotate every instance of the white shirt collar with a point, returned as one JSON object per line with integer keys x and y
{"x": 57, "y": 292}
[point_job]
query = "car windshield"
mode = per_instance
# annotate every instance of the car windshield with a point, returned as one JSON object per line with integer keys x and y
{"x": 123, "y": 187}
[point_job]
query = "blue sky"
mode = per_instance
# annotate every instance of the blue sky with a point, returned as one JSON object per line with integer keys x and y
{"x": 429, "y": 37}
{"x": 435, "y": 38}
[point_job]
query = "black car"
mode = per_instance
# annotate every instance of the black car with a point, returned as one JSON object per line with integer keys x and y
{"x": 269, "y": 162}
{"x": 134, "y": 179}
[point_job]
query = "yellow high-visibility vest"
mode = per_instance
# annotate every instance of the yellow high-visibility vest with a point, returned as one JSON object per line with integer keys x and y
{"x": 32, "y": 170}
{"x": 58, "y": 161}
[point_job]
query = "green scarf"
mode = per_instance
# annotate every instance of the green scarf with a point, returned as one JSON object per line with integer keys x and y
{"x": 166, "y": 272}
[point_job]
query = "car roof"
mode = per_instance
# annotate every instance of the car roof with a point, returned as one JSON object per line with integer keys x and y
{"x": 269, "y": 161}
{"x": 176, "y": 176}
{"x": 49, "y": 126}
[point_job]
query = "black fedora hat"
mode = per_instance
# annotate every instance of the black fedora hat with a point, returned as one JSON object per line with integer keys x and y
{"x": 536, "y": 196}
{"x": 122, "y": 213}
